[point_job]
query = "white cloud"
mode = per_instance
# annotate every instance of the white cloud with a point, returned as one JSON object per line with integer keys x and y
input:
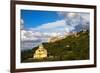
{"x": 22, "y": 23}
{"x": 29, "y": 44}
{"x": 76, "y": 19}
{"x": 59, "y": 23}
{"x": 85, "y": 16}
{"x": 57, "y": 26}
{"x": 72, "y": 14}
{"x": 30, "y": 39}
{"x": 30, "y": 35}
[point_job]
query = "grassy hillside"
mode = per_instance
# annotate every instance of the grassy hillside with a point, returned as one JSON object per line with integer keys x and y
{"x": 69, "y": 48}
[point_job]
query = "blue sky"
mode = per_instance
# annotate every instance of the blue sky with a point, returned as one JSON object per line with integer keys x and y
{"x": 34, "y": 18}
{"x": 54, "y": 21}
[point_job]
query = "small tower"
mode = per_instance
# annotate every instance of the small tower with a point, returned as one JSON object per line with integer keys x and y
{"x": 40, "y": 53}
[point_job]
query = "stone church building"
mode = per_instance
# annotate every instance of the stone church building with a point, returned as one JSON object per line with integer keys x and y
{"x": 40, "y": 53}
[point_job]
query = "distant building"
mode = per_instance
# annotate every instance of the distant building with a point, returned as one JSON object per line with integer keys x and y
{"x": 84, "y": 30}
{"x": 52, "y": 39}
{"x": 57, "y": 38}
{"x": 75, "y": 34}
{"x": 40, "y": 53}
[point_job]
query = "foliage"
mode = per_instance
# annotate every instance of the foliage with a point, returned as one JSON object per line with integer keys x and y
{"x": 69, "y": 48}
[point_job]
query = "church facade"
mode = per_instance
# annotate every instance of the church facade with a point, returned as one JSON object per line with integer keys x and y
{"x": 40, "y": 53}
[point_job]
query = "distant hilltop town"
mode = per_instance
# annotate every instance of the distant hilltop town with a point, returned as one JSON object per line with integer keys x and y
{"x": 57, "y": 38}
